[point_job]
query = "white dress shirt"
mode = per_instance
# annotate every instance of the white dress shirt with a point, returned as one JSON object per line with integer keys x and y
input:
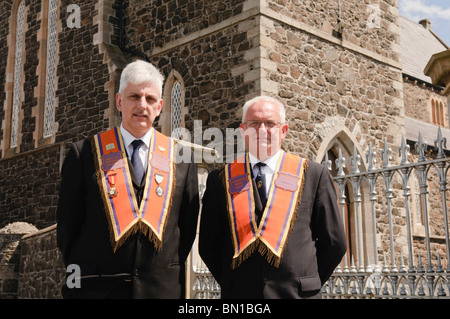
{"x": 143, "y": 150}
{"x": 268, "y": 170}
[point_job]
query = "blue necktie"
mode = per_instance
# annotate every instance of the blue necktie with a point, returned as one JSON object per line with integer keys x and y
{"x": 136, "y": 160}
{"x": 261, "y": 184}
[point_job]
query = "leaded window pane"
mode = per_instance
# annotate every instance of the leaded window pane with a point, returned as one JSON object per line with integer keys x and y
{"x": 50, "y": 71}
{"x": 17, "y": 75}
{"x": 175, "y": 102}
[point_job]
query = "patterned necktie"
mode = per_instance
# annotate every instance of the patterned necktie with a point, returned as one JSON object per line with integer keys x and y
{"x": 136, "y": 160}
{"x": 261, "y": 184}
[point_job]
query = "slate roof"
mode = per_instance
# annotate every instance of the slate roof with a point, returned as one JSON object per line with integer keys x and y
{"x": 417, "y": 45}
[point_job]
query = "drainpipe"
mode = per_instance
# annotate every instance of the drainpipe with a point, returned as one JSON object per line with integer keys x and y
{"x": 121, "y": 29}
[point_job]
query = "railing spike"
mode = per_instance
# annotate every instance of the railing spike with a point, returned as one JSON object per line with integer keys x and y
{"x": 340, "y": 163}
{"x": 421, "y": 148}
{"x": 404, "y": 151}
{"x": 420, "y": 268}
{"x": 352, "y": 265}
{"x": 371, "y": 158}
{"x": 338, "y": 269}
{"x": 439, "y": 268}
{"x": 369, "y": 267}
{"x": 327, "y": 162}
{"x": 440, "y": 143}
{"x": 386, "y": 154}
{"x": 402, "y": 264}
{"x": 385, "y": 267}
{"x": 355, "y": 160}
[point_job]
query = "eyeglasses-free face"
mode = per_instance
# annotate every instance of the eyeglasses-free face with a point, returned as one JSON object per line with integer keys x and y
{"x": 139, "y": 104}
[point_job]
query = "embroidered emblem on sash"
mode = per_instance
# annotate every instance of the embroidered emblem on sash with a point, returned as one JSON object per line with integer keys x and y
{"x": 125, "y": 215}
{"x": 112, "y": 161}
{"x": 287, "y": 182}
{"x": 238, "y": 184}
{"x": 279, "y": 214}
{"x": 160, "y": 163}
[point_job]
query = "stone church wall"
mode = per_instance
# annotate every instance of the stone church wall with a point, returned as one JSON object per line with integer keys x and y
{"x": 42, "y": 272}
{"x": 10, "y": 253}
{"x": 29, "y": 187}
{"x": 326, "y": 86}
{"x": 31, "y": 265}
{"x": 29, "y": 181}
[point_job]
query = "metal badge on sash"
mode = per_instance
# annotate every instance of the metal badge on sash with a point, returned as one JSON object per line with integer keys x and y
{"x": 111, "y": 162}
{"x": 112, "y": 184}
{"x": 159, "y": 178}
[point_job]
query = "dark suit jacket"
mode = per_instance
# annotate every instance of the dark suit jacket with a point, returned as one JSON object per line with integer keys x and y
{"x": 136, "y": 269}
{"x": 313, "y": 249}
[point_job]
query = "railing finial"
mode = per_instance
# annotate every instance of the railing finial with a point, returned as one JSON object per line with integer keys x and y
{"x": 371, "y": 158}
{"x": 327, "y": 162}
{"x": 355, "y": 160}
{"x": 440, "y": 143}
{"x": 421, "y": 148}
{"x": 404, "y": 151}
{"x": 340, "y": 163}
{"x": 386, "y": 154}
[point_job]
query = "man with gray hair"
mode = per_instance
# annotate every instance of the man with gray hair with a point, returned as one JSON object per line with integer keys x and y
{"x": 270, "y": 225}
{"x": 127, "y": 210}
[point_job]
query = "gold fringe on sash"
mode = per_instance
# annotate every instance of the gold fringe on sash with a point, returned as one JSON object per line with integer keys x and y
{"x": 272, "y": 258}
{"x": 137, "y": 225}
{"x": 245, "y": 253}
{"x": 257, "y": 243}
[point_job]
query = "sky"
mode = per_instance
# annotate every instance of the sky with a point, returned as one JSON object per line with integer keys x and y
{"x": 437, "y": 11}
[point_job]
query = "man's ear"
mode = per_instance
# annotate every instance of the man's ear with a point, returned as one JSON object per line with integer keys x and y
{"x": 284, "y": 130}
{"x": 159, "y": 107}
{"x": 119, "y": 102}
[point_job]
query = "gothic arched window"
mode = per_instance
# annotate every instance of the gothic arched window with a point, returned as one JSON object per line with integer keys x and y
{"x": 175, "y": 103}
{"x": 437, "y": 112}
{"x": 50, "y": 69}
{"x": 172, "y": 116}
{"x": 17, "y": 75}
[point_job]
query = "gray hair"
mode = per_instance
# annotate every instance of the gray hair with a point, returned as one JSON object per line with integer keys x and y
{"x": 138, "y": 72}
{"x": 253, "y": 101}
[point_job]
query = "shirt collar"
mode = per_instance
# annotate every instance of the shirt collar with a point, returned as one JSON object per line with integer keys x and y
{"x": 271, "y": 162}
{"x": 128, "y": 138}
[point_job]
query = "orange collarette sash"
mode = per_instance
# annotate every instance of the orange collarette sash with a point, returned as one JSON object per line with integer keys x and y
{"x": 279, "y": 214}
{"x": 125, "y": 215}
